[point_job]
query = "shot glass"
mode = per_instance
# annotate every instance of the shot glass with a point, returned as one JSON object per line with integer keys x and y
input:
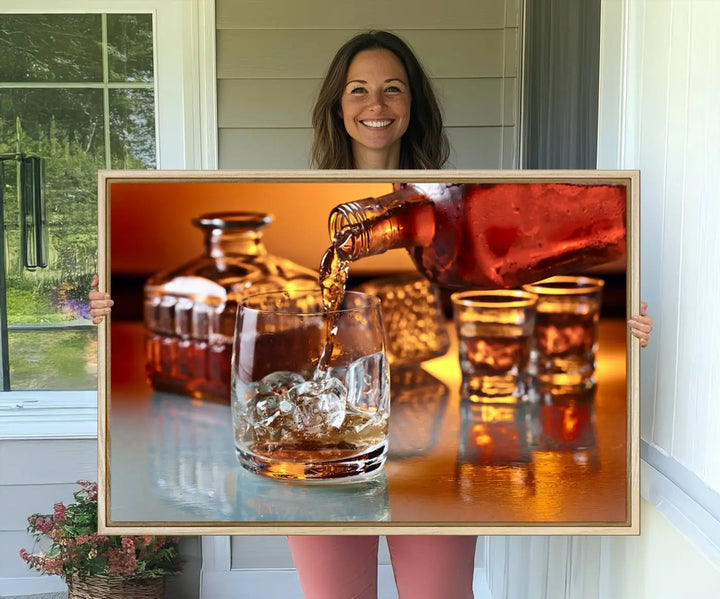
{"x": 413, "y": 316}
{"x": 566, "y": 330}
{"x": 310, "y": 391}
{"x": 494, "y": 330}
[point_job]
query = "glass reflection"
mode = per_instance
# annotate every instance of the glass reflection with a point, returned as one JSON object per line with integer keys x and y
{"x": 417, "y": 401}
{"x": 130, "y": 47}
{"x": 187, "y": 456}
{"x": 132, "y": 128}
{"x": 495, "y": 449}
{"x": 51, "y": 47}
{"x": 259, "y": 499}
{"x": 566, "y": 424}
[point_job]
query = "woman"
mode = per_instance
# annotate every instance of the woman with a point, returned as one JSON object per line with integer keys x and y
{"x": 377, "y": 110}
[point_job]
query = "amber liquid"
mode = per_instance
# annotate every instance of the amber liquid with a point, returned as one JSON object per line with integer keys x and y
{"x": 188, "y": 367}
{"x": 488, "y": 353}
{"x": 494, "y": 359}
{"x": 566, "y": 345}
{"x": 507, "y": 235}
{"x": 188, "y": 345}
{"x": 333, "y": 279}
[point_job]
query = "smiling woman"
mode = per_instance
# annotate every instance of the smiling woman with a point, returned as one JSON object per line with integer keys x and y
{"x": 363, "y": 110}
{"x": 375, "y": 107}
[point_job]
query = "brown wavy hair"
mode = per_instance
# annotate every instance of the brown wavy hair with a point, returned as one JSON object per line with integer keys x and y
{"x": 424, "y": 144}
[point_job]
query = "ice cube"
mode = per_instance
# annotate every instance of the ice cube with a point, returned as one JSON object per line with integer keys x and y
{"x": 358, "y": 419}
{"x": 266, "y": 404}
{"x": 367, "y": 382}
{"x": 280, "y": 381}
{"x": 320, "y": 404}
{"x": 286, "y": 406}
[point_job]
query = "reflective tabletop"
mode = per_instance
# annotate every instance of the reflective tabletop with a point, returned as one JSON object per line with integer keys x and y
{"x": 561, "y": 461}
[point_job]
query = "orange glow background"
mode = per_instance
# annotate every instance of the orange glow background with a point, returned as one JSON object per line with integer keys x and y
{"x": 151, "y": 229}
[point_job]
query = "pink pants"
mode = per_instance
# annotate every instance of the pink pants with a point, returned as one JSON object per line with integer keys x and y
{"x": 345, "y": 567}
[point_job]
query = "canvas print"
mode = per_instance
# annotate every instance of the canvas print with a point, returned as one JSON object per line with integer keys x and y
{"x": 384, "y": 352}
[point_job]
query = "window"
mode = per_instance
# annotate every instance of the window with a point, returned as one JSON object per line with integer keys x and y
{"x": 105, "y": 85}
{"x": 77, "y": 90}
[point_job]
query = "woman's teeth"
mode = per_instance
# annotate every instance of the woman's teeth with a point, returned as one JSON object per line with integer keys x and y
{"x": 376, "y": 124}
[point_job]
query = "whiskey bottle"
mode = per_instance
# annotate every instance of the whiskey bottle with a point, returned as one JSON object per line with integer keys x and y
{"x": 477, "y": 235}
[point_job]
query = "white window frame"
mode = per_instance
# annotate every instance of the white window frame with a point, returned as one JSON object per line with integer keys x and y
{"x": 186, "y": 135}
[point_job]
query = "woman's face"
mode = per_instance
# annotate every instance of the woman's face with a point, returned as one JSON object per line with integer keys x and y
{"x": 375, "y": 102}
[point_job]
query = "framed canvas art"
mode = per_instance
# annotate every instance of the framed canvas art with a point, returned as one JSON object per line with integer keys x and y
{"x": 180, "y": 249}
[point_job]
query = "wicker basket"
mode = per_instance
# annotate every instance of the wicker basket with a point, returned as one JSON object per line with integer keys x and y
{"x": 115, "y": 587}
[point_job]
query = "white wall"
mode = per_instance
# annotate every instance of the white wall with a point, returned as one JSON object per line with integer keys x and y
{"x": 34, "y": 475}
{"x": 669, "y": 128}
{"x": 660, "y": 83}
{"x": 660, "y": 563}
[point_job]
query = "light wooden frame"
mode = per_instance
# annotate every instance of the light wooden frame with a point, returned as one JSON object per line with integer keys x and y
{"x": 630, "y": 178}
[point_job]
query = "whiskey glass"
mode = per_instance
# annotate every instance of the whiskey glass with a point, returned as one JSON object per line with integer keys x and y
{"x": 295, "y": 416}
{"x": 494, "y": 330}
{"x": 566, "y": 330}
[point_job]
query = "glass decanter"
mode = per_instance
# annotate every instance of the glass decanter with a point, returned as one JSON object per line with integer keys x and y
{"x": 189, "y": 311}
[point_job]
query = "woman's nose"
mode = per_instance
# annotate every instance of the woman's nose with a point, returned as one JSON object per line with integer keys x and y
{"x": 376, "y": 99}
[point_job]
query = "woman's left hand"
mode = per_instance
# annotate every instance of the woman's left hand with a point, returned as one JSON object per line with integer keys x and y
{"x": 641, "y": 325}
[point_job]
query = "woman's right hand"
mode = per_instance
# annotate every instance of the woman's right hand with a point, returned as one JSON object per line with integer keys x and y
{"x": 100, "y": 302}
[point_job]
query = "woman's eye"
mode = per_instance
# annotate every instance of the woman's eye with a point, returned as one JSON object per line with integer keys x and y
{"x": 357, "y": 90}
{"x": 393, "y": 89}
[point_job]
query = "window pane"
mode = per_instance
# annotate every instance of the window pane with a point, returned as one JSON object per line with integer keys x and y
{"x": 132, "y": 128}
{"x": 50, "y": 48}
{"x": 65, "y": 127}
{"x": 53, "y": 359}
{"x": 130, "y": 48}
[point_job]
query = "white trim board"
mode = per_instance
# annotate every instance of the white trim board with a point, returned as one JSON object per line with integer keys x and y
{"x": 690, "y": 508}
{"x": 48, "y": 415}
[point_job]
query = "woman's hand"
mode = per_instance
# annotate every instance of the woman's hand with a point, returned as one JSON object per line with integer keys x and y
{"x": 100, "y": 302}
{"x": 641, "y": 325}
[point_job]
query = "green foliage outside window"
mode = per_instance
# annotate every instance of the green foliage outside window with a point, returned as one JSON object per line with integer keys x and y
{"x": 81, "y": 88}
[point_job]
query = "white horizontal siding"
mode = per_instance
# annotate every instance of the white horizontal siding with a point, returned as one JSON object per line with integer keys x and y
{"x": 264, "y": 148}
{"x": 349, "y": 14}
{"x": 471, "y": 148}
{"x": 291, "y": 54}
{"x": 34, "y": 476}
{"x": 271, "y": 58}
{"x": 281, "y": 103}
{"x": 47, "y": 462}
{"x": 19, "y": 501}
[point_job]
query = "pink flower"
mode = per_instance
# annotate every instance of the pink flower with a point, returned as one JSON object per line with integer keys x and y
{"x": 59, "y": 510}
{"x": 121, "y": 561}
{"x": 128, "y": 543}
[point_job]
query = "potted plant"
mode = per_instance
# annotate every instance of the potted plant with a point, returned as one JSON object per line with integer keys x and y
{"x": 94, "y": 565}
